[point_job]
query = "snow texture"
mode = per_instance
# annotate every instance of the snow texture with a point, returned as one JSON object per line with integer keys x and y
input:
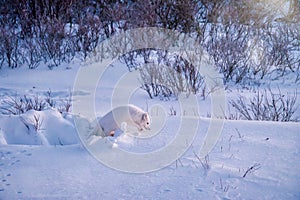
{"x": 251, "y": 160}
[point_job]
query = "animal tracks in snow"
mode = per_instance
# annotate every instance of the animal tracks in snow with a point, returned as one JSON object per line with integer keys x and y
{"x": 8, "y": 161}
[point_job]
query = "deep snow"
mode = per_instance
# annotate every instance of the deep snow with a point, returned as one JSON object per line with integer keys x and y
{"x": 70, "y": 172}
{"x": 52, "y": 162}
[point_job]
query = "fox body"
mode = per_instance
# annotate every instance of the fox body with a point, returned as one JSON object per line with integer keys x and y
{"x": 130, "y": 114}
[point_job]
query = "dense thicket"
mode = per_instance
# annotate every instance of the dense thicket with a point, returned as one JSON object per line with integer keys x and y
{"x": 243, "y": 37}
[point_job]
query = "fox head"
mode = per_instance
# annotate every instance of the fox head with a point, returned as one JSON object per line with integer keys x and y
{"x": 145, "y": 121}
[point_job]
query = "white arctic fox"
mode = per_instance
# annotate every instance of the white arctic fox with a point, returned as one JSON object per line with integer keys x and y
{"x": 130, "y": 114}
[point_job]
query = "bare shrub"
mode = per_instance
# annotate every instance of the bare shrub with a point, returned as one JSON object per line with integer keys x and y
{"x": 169, "y": 75}
{"x": 36, "y": 122}
{"x": 33, "y": 52}
{"x": 246, "y": 39}
{"x": 49, "y": 99}
{"x": 10, "y": 46}
{"x": 283, "y": 47}
{"x": 205, "y": 163}
{"x": 50, "y": 41}
{"x": 172, "y": 111}
{"x": 267, "y": 106}
{"x": 178, "y": 15}
{"x": 251, "y": 169}
{"x": 167, "y": 81}
{"x": 131, "y": 60}
{"x": 66, "y": 104}
{"x": 153, "y": 82}
{"x": 228, "y": 45}
{"x": 18, "y": 105}
{"x": 89, "y": 33}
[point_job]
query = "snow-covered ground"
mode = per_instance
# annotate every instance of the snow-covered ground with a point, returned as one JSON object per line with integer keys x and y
{"x": 251, "y": 159}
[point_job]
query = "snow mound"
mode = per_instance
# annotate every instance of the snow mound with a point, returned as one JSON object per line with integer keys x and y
{"x": 48, "y": 127}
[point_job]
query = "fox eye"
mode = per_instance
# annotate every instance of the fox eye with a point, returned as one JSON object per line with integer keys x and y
{"x": 147, "y": 123}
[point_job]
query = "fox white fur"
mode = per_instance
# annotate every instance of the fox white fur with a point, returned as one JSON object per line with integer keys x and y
{"x": 113, "y": 120}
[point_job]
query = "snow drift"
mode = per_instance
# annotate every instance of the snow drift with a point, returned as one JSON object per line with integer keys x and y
{"x": 48, "y": 127}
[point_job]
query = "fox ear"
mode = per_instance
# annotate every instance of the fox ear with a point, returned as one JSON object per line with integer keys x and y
{"x": 144, "y": 116}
